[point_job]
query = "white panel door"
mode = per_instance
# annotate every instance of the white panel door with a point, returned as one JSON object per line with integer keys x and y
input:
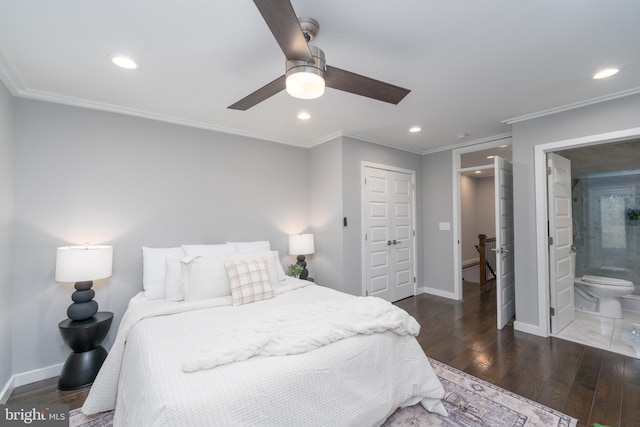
{"x": 505, "y": 286}
{"x": 389, "y": 235}
{"x": 561, "y": 272}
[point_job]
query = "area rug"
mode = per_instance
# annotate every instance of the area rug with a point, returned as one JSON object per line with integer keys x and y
{"x": 473, "y": 402}
{"x": 470, "y": 402}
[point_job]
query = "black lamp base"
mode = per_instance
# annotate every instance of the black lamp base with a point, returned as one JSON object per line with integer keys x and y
{"x": 83, "y": 306}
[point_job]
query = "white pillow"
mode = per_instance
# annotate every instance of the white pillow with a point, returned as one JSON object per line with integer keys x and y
{"x": 249, "y": 280}
{"x": 173, "y": 280}
{"x": 208, "y": 250}
{"x": 250, "y": 247}
{"x": 153, "y": 269}
{"x": 272, "y": 258}
{"x": 204, "y": 278}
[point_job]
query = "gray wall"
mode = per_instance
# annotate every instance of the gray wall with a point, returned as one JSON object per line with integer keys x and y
{"x": 325, "y": 214}
{"x": 353, "y": 153}
{"x": 468, "y": 219}
{"x": 437, "y": 206}
{"x": 485, "y": 206}
{"x": 90, "y": 176}
{"x": 477, "y": 213}
{"x": 335, "y": 188}
{"x": 618, "y": 114}
{"x": 6, "y": 217}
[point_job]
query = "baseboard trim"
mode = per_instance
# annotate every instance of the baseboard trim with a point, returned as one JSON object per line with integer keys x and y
{"x": 436, "y": 292}
{"x": 29, "y": 377}
{"x": 473, "y": 262}
{"x": 529, "y": 329}
{"x": 6, "y": 390}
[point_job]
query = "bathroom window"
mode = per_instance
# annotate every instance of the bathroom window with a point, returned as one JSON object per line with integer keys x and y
{"x": 612, "y": 218}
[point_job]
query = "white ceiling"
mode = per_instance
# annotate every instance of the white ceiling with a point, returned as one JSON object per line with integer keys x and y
{"x": 470, "y": 64}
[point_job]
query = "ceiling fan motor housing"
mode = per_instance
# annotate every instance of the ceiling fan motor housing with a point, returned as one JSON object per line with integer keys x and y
{"x": 318, "y": 67}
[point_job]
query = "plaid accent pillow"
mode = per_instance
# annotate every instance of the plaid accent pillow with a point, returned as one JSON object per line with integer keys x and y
{"x": 249, "y": 280}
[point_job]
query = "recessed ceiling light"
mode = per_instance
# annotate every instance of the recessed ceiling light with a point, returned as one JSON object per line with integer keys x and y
{"x": 477, "y": 171}
{"x": 491, "y": 157}
{"x": 123, "y": 61}
{"x": 415, "y": 129}
{"x": 603, "y": 74}
{"x": 304, "y": 116}
{"x": 504, "y": 146}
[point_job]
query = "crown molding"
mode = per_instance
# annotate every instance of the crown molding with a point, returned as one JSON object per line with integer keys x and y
{"x": 324, "y": 139}
{"x": 93, "y": 105}
{"x": 573, "y": 106}
{"x": 469, "y": 143}
{"x": 385, "y": 144}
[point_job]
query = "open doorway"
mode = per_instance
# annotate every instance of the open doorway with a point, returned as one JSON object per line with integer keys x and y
{"x": 603, "y": 193}
{"x": 542, "y": 232}
{"x": 483, "y": 223}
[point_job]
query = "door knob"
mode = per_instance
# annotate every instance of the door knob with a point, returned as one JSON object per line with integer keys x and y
{"x": 395, "y": 241}
{"x": 388, "y": 242}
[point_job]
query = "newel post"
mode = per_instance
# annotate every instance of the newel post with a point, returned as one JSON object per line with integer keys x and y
{"x": 482, "y": 244}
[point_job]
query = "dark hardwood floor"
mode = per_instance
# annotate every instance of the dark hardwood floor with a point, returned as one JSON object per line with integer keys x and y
{"x": 592, "y": 385}
{"x": 46, "y": 391}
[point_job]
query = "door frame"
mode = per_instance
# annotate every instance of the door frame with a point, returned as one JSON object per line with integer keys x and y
{"x": 541, "y": 216}
{"x": 414, "y": 246}
{"x": 456, "y": 154}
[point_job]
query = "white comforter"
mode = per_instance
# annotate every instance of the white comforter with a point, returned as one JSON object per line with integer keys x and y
{"x": 356, "y": 381}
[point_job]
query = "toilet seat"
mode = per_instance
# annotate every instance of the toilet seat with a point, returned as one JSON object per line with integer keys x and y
{"x": 610, "y": 281}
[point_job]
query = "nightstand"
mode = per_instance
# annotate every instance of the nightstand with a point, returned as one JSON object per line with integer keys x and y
{"x": 84, "y": 337}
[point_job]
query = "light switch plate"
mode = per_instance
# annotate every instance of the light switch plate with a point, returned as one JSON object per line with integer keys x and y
{"x": 445, "y": 226}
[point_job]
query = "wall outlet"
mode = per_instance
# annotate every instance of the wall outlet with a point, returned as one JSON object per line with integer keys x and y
{"x": 445, "y": 226}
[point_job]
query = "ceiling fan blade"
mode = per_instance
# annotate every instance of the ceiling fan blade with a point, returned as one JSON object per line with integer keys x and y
{"x": 260, "y": 95}
{"x": 365, "y": 86}
{"x": 283, "y": 23}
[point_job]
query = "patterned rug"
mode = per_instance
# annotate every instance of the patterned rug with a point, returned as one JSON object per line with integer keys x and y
{"x": 473, "y": 402}
{"x": 470, "y": 402}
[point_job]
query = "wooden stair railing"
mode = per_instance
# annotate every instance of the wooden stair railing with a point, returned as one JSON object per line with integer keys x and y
{"x": 486, "y": 249}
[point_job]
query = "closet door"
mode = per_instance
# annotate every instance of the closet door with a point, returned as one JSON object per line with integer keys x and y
{"x": 388, "y": 223}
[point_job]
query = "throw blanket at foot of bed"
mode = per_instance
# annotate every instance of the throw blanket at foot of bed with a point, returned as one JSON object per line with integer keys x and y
{"x": 294, "y": 330}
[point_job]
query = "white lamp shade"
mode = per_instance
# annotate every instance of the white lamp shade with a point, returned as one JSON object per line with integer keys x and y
{"x": 301, "y": 244}
{"x": 83, "y": 263}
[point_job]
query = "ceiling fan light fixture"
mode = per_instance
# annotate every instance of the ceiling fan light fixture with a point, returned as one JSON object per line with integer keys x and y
{"x": 304, "y": 79}
{"x": 304, "y": 85}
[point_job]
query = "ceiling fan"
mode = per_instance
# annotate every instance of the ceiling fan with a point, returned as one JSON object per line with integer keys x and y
{"x": 306, "y": 69}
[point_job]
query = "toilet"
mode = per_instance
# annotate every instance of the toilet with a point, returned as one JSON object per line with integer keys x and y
{"x": 601, "y": 295}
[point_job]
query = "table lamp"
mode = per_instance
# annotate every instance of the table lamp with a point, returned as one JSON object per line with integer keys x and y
{"x": 83, "y": 264}
{"x": 301, "y": 245}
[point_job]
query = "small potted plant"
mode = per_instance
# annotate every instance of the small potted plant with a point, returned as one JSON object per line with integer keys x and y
{"x": 295, "y": 270}
{"x": 633, "y": 216}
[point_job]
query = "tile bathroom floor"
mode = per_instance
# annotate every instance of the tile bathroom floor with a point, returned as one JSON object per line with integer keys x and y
{"x": 617, "y": 335}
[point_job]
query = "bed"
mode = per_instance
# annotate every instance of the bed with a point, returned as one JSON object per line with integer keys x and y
{"x": 211, "y": 361}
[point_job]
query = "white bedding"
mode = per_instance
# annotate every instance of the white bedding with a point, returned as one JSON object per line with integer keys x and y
{"x": 355, "y": 381}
